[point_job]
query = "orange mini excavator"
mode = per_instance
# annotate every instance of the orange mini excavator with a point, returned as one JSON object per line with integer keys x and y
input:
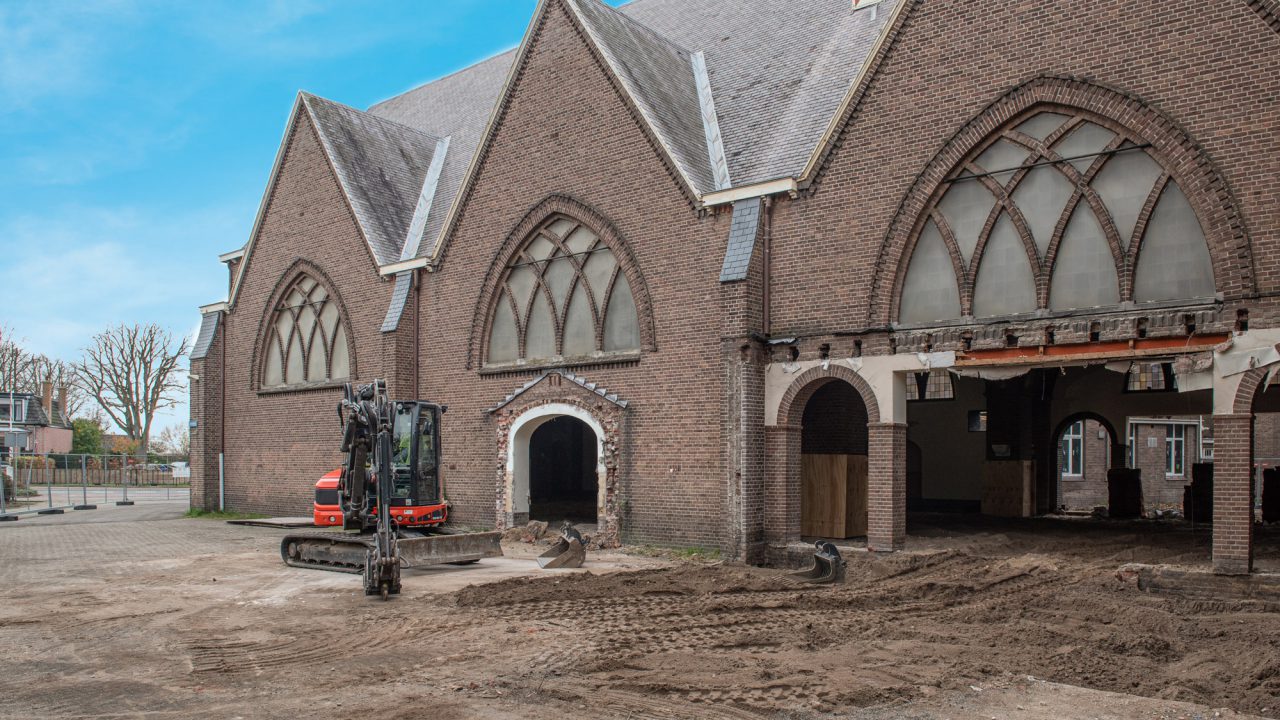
{"x": 387, "y": 497}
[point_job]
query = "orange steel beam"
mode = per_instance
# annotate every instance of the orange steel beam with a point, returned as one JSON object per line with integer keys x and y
{"x": 1137, "y": 347}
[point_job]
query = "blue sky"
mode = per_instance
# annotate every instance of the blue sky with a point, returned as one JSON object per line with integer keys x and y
{"x": 136, "y": 137}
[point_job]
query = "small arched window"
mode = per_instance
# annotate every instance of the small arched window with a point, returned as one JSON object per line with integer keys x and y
{"x": 306, "y": 342}
{"x": 562, "y": 297}
{"x": 1057, "y": 211}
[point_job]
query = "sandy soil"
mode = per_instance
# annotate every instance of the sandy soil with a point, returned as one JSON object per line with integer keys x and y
{"x": 133, "y": 612}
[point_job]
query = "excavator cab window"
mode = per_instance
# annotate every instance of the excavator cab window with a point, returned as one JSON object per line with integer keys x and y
{"x": 402, "y": 451}
{"x": 428, "y": 458}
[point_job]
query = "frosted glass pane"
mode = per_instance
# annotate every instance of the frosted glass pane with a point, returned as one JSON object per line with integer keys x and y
{"x": 294, "y": 299}
{"x": 929, "y": 292}
{"x": 293, "y": 370}
{"x": 580, "y": 241}
{"x": 558, "y": 276}
{"x": 1174, "y": 261}
{"x": 1124, "y": 184}
{"x": 966, "y": 207}
{"x": 621, "y": 331}
{"x": 540, "y": 335}
{"x": 273, "y": 373}
{"x": 1084, "y": 274}
{"x": 1087, "y": 139}
{"x": 284, "y": 326}
{"x": 503, "y": 345}
{"x": 521, "y": 283}
{"x": 318, "y": 294}
{"x": 599, "y": 270}
{"x": 306, "y": 283}
{"x": 561, "y": 227}
{"x": 1040, "y": 126}
{"x": 579, "y": 326}
{"x": 541, "y": 248}
{"x": 316, "y": 356}
{"x": 340, "y": 365}
{"x": 1041, "y": 196}
{"x": 329, "y": 318}
{"x": 1002, "y": 155}
{"x": 1005, "y": 284}
{"x": 306, "y": 321}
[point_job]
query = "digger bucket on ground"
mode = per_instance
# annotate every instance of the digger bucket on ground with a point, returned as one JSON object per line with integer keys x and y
{"x": 828, "y": 566}
{"x": 568, "y": 552}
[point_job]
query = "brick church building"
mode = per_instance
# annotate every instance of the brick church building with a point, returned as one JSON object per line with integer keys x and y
{"x": 733, "y": 273}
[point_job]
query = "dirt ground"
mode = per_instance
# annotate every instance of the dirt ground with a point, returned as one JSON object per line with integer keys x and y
{"x": 136, "y": 612}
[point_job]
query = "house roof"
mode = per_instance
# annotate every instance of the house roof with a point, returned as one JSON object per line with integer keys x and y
{"x": 35, "y": 411}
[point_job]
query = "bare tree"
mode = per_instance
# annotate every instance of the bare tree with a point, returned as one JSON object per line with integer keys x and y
{"x": 131, "y": 371}
{"x": 24, "y": 372}
{"x": 17, "y": 366}
{"x": 174, "y": 440}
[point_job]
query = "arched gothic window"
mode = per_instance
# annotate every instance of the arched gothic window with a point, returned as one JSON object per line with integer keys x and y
{"x": 563, "y": 296}
{"x": 306, "y": 341}
{"x": 1057, "y": 211}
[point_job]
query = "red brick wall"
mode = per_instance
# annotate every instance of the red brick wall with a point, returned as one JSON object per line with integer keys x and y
{"x": 955, "y": 58}
{"x": 567, "y": 131}
{"x": 278, "y": 444}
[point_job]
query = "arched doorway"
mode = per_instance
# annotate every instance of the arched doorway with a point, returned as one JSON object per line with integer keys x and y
{"x": 1086, "y": 450}
{"x": 563, "y": 484}
{"x": 555, "y": 466}
{"x": 833, "y": 470}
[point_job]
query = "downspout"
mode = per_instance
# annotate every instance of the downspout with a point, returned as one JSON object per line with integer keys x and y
{"x": 417, "y": 330}
{"x": 767, "y": 262}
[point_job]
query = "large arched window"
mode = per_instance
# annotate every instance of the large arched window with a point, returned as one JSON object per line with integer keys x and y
{"x": 563, "y": 297}
{"x": 306, "y": 342}
{"x": 1058, "y": 211}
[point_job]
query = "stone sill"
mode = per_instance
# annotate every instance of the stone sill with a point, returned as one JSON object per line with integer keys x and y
{"x": 302, "y": 387}
{"x": 609, "y": 359}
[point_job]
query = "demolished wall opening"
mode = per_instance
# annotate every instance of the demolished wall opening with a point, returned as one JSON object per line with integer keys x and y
{"x": 562, "y": 472}
{"x": 833, "y": 447}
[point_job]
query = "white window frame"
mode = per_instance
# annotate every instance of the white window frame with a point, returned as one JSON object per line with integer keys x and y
{"x": 17, "y": 409}
{"x": 1175, "y": 453}
{"x": 1073, "y": 435}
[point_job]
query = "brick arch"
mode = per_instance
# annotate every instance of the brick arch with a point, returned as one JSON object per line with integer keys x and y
{"x": 533, "y": 218}
{"x": 1247, "y": 390}
{"x": 1204, "y": 186}
{"x": 285, "y": 281}
{"x": 791, "y": 408}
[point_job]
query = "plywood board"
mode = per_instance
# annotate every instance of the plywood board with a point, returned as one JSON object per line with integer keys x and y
{"x": 855, "y": 511}
{"x": 822, "y": 495}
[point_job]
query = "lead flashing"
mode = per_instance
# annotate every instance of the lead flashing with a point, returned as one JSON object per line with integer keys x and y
{"x": 710, "y": 123}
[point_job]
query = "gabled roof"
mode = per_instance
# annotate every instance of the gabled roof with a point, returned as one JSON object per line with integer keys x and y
{"x": 658, "y": 75}
{"x": 575, "y": 379}
{"x": 747, "y": 90}
{"x": 779, "y": 74}
{"x": 380, "y": 165}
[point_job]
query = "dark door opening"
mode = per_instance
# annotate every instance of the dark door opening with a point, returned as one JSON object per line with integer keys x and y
{"x": 562, "y": 472}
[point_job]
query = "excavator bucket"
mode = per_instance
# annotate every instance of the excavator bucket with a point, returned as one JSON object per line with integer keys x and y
{"x": 828, "y": 566}
{"x": 568, "y": 552}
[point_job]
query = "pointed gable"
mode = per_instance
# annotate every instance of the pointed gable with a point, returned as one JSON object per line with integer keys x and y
{"x": 658, "y": 75}
{"x": 381, "y": 166}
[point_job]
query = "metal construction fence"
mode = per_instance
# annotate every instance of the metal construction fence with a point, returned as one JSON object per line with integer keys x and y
{"x": 53, "y": 483}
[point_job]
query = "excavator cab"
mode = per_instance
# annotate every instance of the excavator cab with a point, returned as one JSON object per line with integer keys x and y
{"x": 415, "y": 462}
